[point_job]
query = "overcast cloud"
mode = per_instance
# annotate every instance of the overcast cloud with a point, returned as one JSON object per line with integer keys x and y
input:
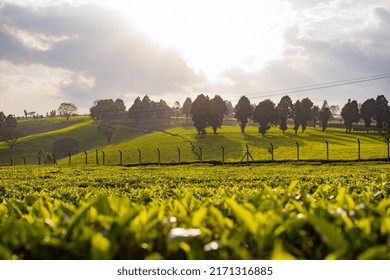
{"x": 83, "y": 52}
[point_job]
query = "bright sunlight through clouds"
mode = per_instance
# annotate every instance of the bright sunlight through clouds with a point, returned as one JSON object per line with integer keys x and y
{"x": 81, "y": 51}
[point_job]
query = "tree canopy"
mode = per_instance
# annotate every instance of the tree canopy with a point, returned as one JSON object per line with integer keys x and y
{"x": 350, "y": 114}
{"x": 243, "y": 112}
{"x": 265, "y": 115}
{"x": 368, "y": 111}
{"x": 284, "y": 111}
{"x": 200, "y": 112}
{"x": 325, "y": 114}
{"x": 217, "y": 112}
{"x": 105, "y": 109}
{"x": 67, "y": 109}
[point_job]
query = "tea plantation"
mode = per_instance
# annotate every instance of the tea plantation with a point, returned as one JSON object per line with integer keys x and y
{"x": 197, "y": 211}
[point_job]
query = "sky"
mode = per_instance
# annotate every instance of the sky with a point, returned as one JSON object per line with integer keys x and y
{"x": 81, "y": 51}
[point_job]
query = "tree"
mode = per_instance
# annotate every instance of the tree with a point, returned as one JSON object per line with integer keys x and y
{"x": 217, "y": 110}
{"x": 325, "y": 115}
{"x": 367, "y": 112}
{"x": 177, "y": 110}
{"x": 381, "y": 105}
{"x": 306, "y": 110}
{"x": 162, "y": 111}
{"x": 121, "y": 105}
{"x": 135, "y": 111}
{"x": 107, "y": 129}
{"x": 67, "y": 109}
{"x": 105, "y": 109}
{"x": 146, "y": 109}
{"x": 284, "y": 111}
{"x": 25, "y": 113}
{"x": 297, "y": 115}
{"x": 200, "y": 109}
{"x": 187, "y": 107}
{"x": 243, "y": 112}
{"x": 350, "y": 114}
{"x": 265, "y": 115}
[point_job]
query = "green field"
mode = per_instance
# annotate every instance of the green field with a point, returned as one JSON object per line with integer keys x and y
{"x": 193, "y": 148}
{"x": 199, "y": 211}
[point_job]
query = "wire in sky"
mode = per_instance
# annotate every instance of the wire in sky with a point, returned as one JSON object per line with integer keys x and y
{"x": 286, "y": 91}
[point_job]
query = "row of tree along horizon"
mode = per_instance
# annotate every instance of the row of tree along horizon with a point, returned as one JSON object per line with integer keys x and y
{"x": 210, "y": 112}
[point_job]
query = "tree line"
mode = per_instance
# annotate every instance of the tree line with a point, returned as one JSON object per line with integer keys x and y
{"x": 210, "y": 112}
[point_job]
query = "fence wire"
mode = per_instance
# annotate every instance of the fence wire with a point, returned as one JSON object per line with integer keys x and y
{"x": 216, "y": 152}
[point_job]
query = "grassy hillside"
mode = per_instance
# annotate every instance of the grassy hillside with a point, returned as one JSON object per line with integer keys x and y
{"x": 36, "y": 126}
{"x": 130, "y": 141}
{"x": 83, "y": 131}
{"x": 312, "y": 146}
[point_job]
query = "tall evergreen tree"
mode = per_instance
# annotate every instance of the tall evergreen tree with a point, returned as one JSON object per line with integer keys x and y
{"x": 315, "y": 114}
{"x": 325, "y": 115}
{"x": 367, "y": 112}
{"x": 307, "y": 107}
{"x": 297, "y": 115}
{"x": 135, "y": 110}
{"x": 381, "y": 105}
{"x": 187, "y": 107}
{"x": 217, "y": 110}
{"x": 243, "y": 112}
{"x": 265, "y": 115}
{"x": 200, "y": 109}
{"x": 350, "y": 114}
{"x": 284, "y": 110}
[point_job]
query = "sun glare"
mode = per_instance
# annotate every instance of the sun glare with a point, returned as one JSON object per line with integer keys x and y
{"x": 212, "y": 35}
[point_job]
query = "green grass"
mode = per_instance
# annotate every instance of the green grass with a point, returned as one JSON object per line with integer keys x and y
{"x": 37, "y": 126}
{"x": 130, "y": 141}
{"x": 84, "y": 131}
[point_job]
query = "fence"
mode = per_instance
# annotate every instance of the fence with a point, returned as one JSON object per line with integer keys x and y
{"x": 220, "y": 154}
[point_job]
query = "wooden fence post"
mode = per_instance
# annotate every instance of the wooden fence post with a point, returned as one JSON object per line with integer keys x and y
{"x": 179, "y": 155}
{"x": 120, "y": 157}
{"x": 12, "y": 163}
{"x": 158, "y": 156}
{"x": 39, "y": 160}
{"x": 139, "y": 156}
{"x": 388, "y": 149}
{"x": 201, "y": 154}
{"x": 272, "y": 152}
{"x": 97, "y": 157}
{"x": 70, "y": 159}
{"x": 24, "y": 161}
{"x": 86, "y": 158}
{"x": 104, "y": 158}
{"x": 297, "y": 150}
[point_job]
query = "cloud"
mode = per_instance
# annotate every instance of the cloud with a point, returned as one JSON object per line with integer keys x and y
{"x": 324, "y": 44}
{"x": 97, "y": 46}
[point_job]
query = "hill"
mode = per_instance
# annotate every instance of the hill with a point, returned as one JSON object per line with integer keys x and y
{"x": 166, "y": 145}
{"x": 83, "y": 130}
{"x": 193, "y": 148}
